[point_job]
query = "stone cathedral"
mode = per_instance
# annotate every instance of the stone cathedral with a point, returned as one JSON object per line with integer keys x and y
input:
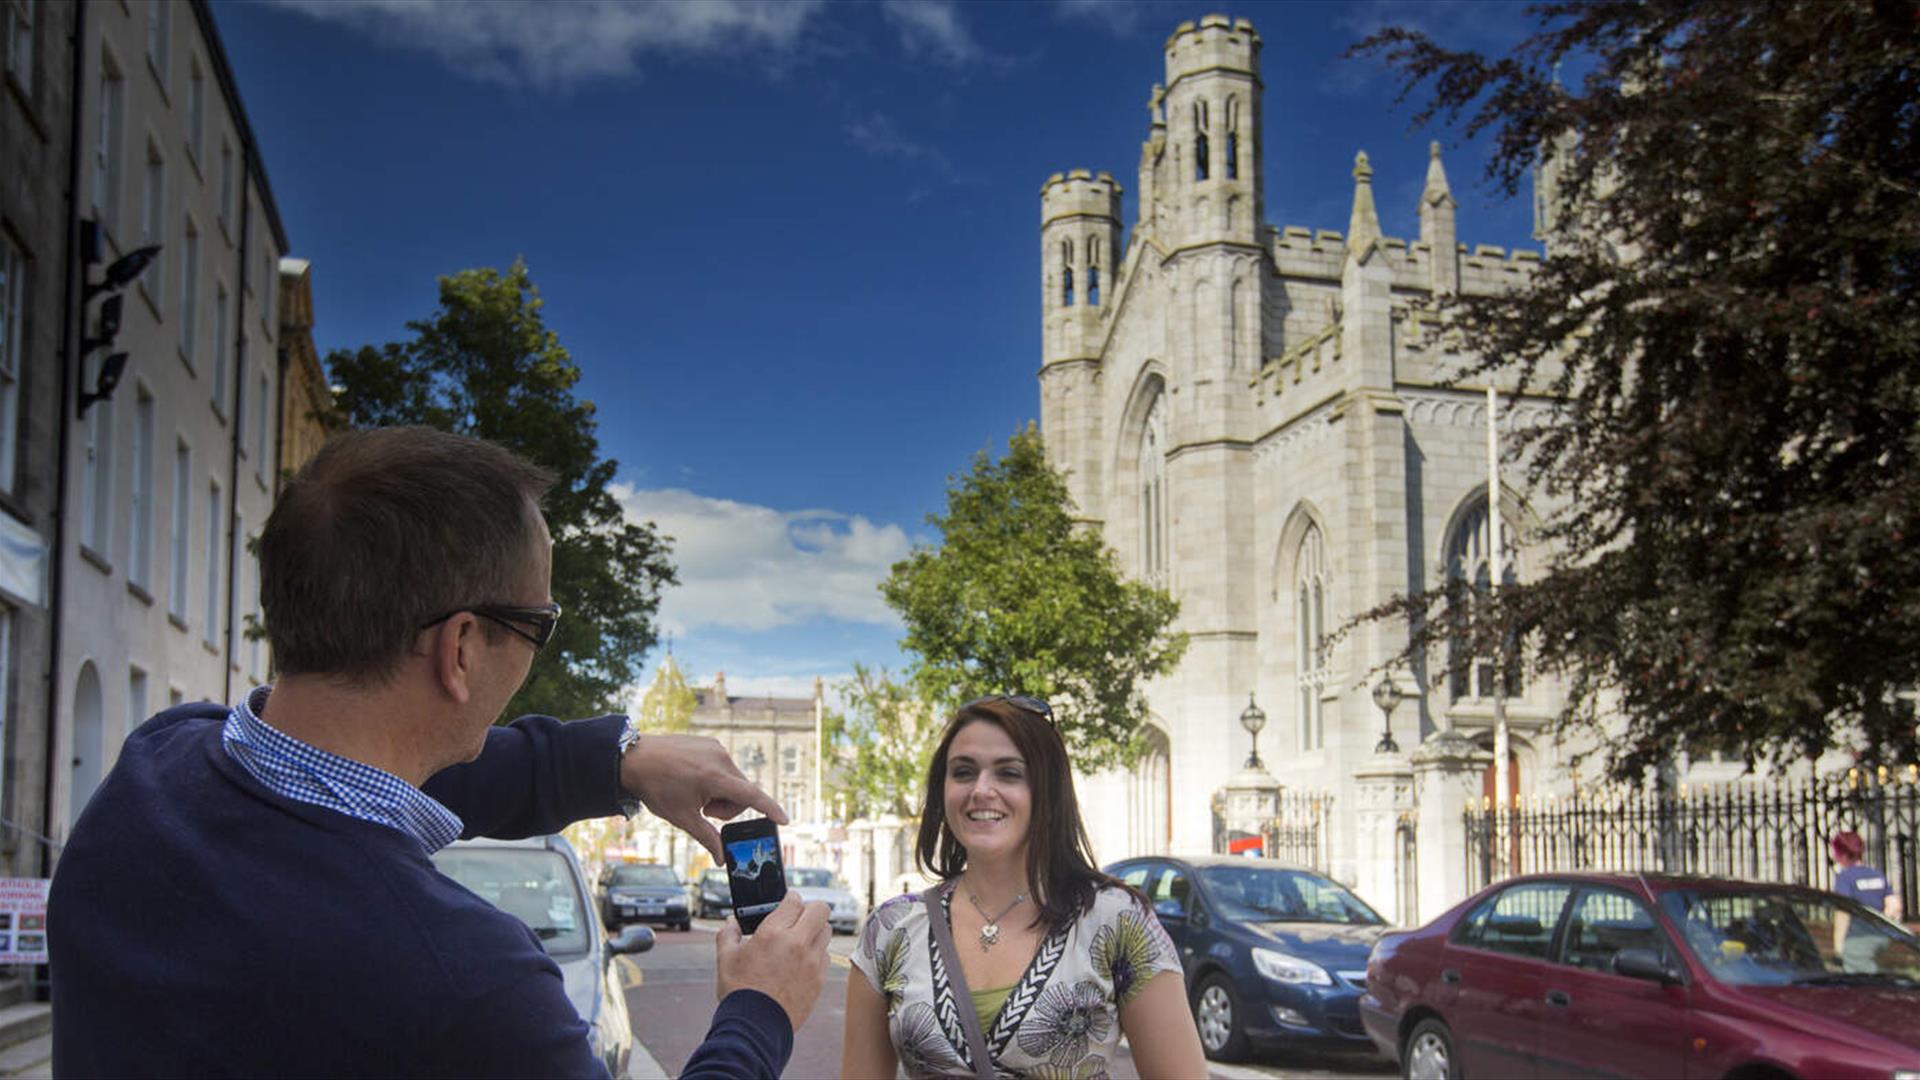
{"x": 1251, "y": 414}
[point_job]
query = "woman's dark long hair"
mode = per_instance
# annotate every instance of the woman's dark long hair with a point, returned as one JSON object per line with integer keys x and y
{"x": 1060, "y": 866}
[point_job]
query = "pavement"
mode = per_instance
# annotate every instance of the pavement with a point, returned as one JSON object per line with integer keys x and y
{"x": 670, "y": 999}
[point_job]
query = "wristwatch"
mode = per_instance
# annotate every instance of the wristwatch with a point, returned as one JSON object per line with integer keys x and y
{"x": 629, "y": 803}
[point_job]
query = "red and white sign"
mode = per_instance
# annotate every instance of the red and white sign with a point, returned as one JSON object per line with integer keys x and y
{"x": 23, "y": 920}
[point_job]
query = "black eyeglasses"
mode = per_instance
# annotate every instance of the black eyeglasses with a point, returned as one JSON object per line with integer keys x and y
{"x": 1019, "y": 701}
{"x": 543, "y": 619}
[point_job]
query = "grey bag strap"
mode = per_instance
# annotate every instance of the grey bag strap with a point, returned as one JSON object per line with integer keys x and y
{"x": 969, "y": 1020}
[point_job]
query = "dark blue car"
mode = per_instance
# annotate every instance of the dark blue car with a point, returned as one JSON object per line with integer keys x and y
{"x": 1273, "y": 955}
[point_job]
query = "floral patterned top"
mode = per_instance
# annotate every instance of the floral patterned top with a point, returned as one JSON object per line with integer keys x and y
{"x": 1061, "y": 1019}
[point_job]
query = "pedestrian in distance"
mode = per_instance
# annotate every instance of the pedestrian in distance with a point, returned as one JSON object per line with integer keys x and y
{"x": 1025, "y": 959}
{"x": 250, "y": 892}
{"x": 1866, "y": 884}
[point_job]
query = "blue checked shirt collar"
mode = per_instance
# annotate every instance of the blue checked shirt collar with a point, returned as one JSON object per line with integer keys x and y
{"x": 294, "y": 770}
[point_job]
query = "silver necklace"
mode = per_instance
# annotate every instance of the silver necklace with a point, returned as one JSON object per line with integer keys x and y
{"x": 990, "y": 931}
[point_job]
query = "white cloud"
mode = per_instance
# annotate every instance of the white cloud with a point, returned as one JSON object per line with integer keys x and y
{"x": 748, "y": 567}
{"x": 934, "y": 28}
{"x": 1119, "y": 17}
{"x": 553, "y": 45}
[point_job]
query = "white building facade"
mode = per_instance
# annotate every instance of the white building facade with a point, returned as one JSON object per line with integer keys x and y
{"x": 1252, "y": 416}
{"x": 171, "y": 478}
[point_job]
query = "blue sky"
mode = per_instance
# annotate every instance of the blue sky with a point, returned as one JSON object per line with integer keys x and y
{"x": 792, "y": 246}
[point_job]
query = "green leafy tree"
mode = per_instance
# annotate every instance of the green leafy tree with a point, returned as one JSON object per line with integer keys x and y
{"x": 880, "y": 742}
{"x": 486, "y": 365}
{"x": 668, "y": 704}
{"x": 1729, "y": 314}
{"x": 1016, "y": 599}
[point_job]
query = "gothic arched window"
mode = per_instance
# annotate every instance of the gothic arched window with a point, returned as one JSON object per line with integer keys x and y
{"x": 1469, "y": 560}
{"x": 1200, "y": 144}
{"x": 1233, "y": 138}
{"x": 1311, "y": 665}
{"x": 1066, "y": 272}
{"x": 1093, "y": 270}
{"x": 1153, "y": 495}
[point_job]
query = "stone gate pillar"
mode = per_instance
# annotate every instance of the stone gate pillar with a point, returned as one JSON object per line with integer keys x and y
{"x": 1253, "y": 800}
{"x": 1384, "y": 791}
{"x": 1446, "y": 782}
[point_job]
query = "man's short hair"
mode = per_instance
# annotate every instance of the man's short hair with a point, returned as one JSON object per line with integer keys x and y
{"x": 384, "y": 529}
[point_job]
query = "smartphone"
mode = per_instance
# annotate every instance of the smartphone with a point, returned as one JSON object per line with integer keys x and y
{"x": 754, "y": 871}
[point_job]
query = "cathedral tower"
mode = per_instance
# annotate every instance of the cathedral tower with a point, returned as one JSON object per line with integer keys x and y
{"x": 1079, "y": 250}
{"x": 1207, "y": 181}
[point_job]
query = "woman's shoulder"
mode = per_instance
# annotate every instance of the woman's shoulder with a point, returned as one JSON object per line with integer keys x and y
{"x": 1112, "y": 900}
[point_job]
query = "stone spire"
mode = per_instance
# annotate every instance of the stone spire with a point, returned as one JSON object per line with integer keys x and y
{"x": 1363, "y": 227}
{"x": 1436, "y": 190}
{"x": 1439, "y": 227}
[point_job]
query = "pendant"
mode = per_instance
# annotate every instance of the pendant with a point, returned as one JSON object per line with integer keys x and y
{"x": 989, "y": 936}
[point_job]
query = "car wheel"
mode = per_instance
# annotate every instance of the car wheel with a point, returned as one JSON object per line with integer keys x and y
{"x": 1428, "y": 1053}
{"x": 1216, "y": 1011}
{"x": 686, "y": 925}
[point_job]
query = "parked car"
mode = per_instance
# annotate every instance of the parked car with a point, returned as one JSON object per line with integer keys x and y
{"x": 822, "y": 885}
{"x": 1643, "y": 975}
{"x": 710, "y": 896}
{"x": 539, "y": 882}
{"x": 1272, "y": 954}
{"x": 643, "y": 893}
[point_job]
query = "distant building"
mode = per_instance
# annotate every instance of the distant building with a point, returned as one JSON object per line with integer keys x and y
{"x": 774, "y": 740}
{"x": 1253, "y": 417}
{"x": 305, "y": 399}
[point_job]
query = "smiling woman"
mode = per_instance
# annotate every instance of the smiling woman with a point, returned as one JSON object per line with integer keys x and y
{"x": 1025, "y": 957}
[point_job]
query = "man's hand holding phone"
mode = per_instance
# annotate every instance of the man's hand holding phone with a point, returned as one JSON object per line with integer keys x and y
{"x": 687, "y": 779}
{"x": 785, "y": 959}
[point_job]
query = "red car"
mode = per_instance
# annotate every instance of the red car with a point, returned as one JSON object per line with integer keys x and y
{"x": 1645, "y": 975}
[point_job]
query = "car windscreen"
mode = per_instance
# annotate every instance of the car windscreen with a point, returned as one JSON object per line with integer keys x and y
{"x": 1264, "y": 894}
{"x": 810, "y": 879}
{"x": 715, "y": 877}
{"x": 649, "y": 874}
{"x": 533, "y": 885}
{"x": 1757, "y": 938}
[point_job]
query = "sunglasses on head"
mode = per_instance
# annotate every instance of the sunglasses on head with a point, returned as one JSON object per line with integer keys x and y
{"x": 1019, "y": 701}
{"x": 542, "y": 620}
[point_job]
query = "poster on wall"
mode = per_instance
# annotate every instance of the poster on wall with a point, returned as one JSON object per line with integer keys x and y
{"x": 23, "y": 920}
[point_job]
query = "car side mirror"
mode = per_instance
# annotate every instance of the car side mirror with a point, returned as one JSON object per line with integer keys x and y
{"x": 1645, "y": 964}
{"x": 634, "y": 939}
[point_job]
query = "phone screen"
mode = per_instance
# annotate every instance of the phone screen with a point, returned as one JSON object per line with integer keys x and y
{"x": 754, "y": 871}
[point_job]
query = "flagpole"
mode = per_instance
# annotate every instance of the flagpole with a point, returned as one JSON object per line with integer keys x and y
{"x": 1501, "y": 748}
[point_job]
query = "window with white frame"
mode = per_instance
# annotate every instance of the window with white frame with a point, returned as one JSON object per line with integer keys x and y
{"x": 153, "y": 223}
{"x": 196, "y": 111}
{"x": 262, "y": 425}
{"x": 190, "y": 290}
{"x": 226, "y": 185}
{"x": 13, "y": 313}
{"x": 17, "y": 21}
{"x": 222, "y": 316}
{"x": 1469, "y": 562}
{"x": 97, "y": 481}
{"x": 107, "y": 141}
{"x": 136, "y": 699}
{"x": 256, "y": 649}
{"x": 160, "y": 40}
{"x": 237, "y": 604}
{"x": 269, "y": 287}
{"x": 790, "y": 761}
{"x": 1311, "y": 664}
{"x": 180, "y": 539}
{"x": 214, "y": 506}
{"x": 140, "y": 493}
{"x": 1153, "y": 494}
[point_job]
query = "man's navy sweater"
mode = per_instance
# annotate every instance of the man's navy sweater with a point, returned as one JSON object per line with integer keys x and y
{"x": 201, "y": 925}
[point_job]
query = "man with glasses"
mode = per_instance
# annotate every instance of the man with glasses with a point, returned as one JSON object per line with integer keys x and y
{"x": 250, "y": 891}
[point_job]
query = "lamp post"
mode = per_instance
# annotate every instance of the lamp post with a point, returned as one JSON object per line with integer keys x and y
{"x": 1253, "y": 720}
{"x": 1386, "y": 695}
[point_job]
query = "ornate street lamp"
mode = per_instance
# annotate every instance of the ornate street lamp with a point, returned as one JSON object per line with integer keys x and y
{"x": 1253, "y": 720}
{"x": 1386, "y": 695}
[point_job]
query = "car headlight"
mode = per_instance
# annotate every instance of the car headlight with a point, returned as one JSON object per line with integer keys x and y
{"x": 1280, "y": 967}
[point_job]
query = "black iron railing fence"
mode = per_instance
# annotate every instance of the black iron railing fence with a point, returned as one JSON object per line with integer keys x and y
{"x": 1297, "y": 835}
{"x": 1751, "y": 829}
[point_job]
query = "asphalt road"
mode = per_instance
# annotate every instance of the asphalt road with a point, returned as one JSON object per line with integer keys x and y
{"x": 670, "y": 998}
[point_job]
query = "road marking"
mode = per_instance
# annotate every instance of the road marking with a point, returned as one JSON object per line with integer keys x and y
{"x": 634, "y": 975}
{"x": 838, "y": 960}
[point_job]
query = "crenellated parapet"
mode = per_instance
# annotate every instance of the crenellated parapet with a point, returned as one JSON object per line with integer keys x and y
{"x": 1215, "y": 43}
